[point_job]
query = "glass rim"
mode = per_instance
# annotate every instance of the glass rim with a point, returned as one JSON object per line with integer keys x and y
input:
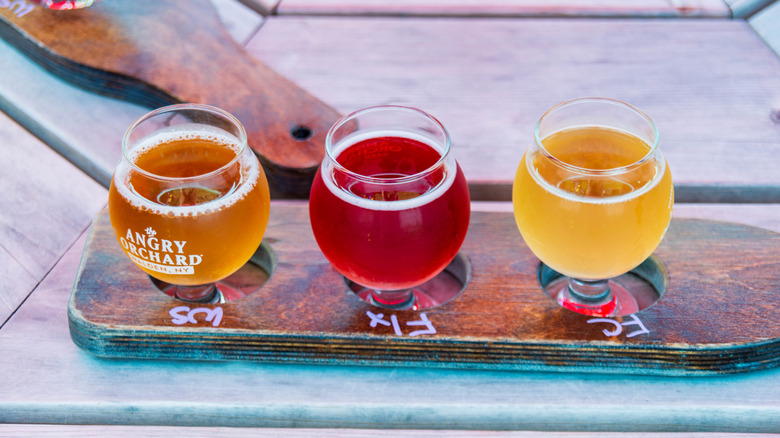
{"x": 386, "y": 180}
{"x": 601, "y": 100}
{"x": 242, "y": 140}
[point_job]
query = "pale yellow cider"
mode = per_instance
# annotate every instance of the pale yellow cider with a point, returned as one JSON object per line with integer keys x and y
{"x": 597, "y": 226}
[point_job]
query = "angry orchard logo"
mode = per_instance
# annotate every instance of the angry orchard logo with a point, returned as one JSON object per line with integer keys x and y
{"x": 157, "y": 254}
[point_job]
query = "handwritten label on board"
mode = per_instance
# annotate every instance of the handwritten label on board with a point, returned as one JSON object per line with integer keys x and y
{"x": 378, "y": 319}
{"x": 185, "y": 315}
{"x": 618, "y": 326}
{"x": 180, "y": 317}
{"x": 18, "y": 7}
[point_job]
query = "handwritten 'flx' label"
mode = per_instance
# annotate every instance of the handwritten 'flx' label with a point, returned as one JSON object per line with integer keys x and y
{"x": 378, "y": 319}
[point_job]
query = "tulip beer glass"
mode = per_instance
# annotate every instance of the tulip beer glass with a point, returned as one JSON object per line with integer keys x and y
{"x": 389, "y": 206}
{"x": 592, "y": 199}
{"x": 188, "y": 202}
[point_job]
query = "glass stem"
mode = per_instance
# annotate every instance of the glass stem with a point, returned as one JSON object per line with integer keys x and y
{"x": 204, "y": 293}
{"x": 589, "y": 297}
{"x": 402, "y": 299}
{"x": 589, "y": 290}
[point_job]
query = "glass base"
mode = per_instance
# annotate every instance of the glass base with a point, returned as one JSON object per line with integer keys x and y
{"x": 247, "y": 280}
{"x": 632, "y": 292}
{"x": 619, "y": 302}
{"x": 442, "y": 288}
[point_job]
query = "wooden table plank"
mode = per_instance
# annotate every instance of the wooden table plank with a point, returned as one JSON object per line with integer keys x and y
{"x": 38, "y": 100}
{"x": 757, "y": 215}
{"x": 714, "y": 93}
{"x": 747, "y": 8}
{"x": 47, "y": 430}
{"x": 77, "y": 388}
{"x": 58, "y": 112}
{"x": 509, "y": 8}
{"x": 721, "y": 102}
{"x": 240, "y": 20}
{"x": 18, "y": 283}
{"x": 767, "y": 24}
{"x": 45, "y": 204}
{"x": 262, "y": 7}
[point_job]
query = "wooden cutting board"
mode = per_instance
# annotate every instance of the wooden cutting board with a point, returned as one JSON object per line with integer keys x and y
{"x": 156, "y": 53}
{"x": 718, "y": 314}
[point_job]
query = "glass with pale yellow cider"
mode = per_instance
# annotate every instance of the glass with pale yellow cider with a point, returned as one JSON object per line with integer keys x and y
{"x": 189, "y": 201}
{"x": 592, "y": 199}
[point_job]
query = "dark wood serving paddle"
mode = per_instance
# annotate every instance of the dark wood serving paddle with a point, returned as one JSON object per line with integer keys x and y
{"x": 156, "y": 53}
{"x": 718, "y": 314}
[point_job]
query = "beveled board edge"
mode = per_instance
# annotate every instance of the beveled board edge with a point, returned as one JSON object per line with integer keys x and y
{"x": 328, "y": 349}
{"x": 205, "y": 343}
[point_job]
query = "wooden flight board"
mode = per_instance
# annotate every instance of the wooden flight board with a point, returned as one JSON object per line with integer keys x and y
{"x": 718, "y": 314}
{"x": 156, "y": 53}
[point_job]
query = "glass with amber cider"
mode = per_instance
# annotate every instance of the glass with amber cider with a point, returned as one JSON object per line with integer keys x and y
{"x": 189, "y": 201}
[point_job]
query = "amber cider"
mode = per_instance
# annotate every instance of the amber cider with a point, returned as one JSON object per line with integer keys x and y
{"x": 203, "y": 215}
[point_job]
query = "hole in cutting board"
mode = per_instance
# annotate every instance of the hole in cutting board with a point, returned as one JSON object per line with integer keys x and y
{"x": 442, "y": 288}
{"x": 647, "y": 283}
{"x": 301, "y": 133}
{"x": 247, "y": 280}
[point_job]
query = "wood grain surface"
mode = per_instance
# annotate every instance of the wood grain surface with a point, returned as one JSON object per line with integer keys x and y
{"x": 96, "y": 431}
{"x": 766, "y": 25}
{"x": 157, "y": 53}
{"x": 720, "y": 275}
{"x": 36, "y": 99}
{"x": 714, "y": 93}
{"x": 45, "y": 204}
{"x": 510, "y": 8}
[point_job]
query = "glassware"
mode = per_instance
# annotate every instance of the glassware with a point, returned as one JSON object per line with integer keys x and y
{"x": 390, "y": 207}
{"x": 592, "y": 199}
{"x": 189, "y": 202}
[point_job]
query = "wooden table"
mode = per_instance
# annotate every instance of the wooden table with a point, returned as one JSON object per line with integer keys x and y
{"x": 487, "y": 71}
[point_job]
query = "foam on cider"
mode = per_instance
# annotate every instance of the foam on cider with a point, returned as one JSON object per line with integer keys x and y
{"x": 403, "y": 204}
{"x": 660, "y": 170}
{"x": 250, "y": 173}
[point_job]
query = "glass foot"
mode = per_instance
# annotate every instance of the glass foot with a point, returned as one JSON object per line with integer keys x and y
{"x": 619, "y": 302}
{"x": 632, "y": 292}
{"x": 435, "y": 292}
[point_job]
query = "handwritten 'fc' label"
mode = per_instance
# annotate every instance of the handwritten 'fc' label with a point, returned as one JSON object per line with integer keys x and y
{"x": 618, "y": 327}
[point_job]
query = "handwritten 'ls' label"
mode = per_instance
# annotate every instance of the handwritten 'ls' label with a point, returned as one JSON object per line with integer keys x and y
{"x": 184, "y": 315}
{"x": 20, "y": 8}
